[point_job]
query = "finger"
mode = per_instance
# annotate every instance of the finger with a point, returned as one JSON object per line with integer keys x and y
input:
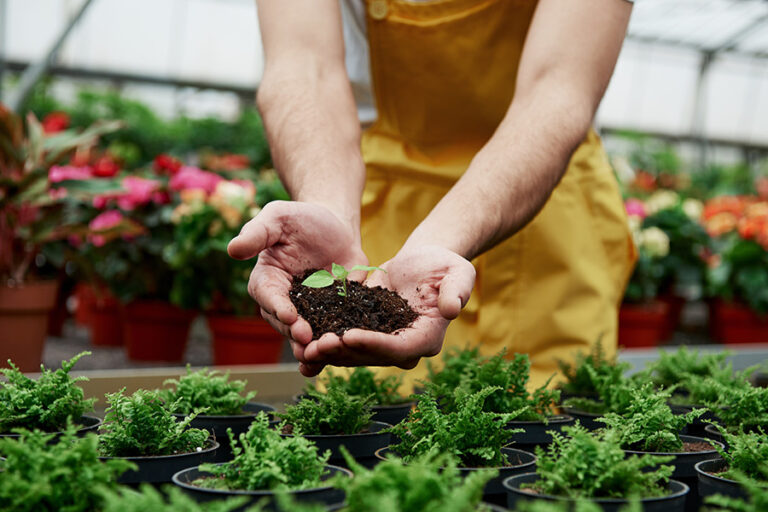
{"x": 259, "y": 233}
{"x": 310, "y": 370}
{"x": 329, "y": 346}
{"x": 455, "y": 289}
{"x": 269, "y": 286}
{"x": 313, "y": 353}
{"x": 276, "y": 324}
{"x": 380, "y": 347}
{"x": 301, "y": 331}
{"x": 298, "y": 350}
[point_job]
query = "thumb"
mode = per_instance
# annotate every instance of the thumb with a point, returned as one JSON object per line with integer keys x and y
{"x": 455, "y": 289}
{"x": 261, "y": 232}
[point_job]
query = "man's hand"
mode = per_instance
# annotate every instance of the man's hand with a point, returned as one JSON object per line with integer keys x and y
{"x": 436, "y": 283}
{"x": 289, "y": 238}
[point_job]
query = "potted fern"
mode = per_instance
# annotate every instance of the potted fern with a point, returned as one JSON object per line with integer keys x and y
{"x": 336, "y": 419}
{"x": 746, "y": 456}
{"x": 389, "y": 406}
{"x": 149, "y": 499}
{"x": 475, "y": 438}
{"x": 266, "y": 463}
{"x": 754, "y": 500}
{"x": 582, "y": 374}
{"x": 48, "y": 404}
{"x": 537, "y": 419}
{"x": 218, "y": 402}
{"x": 739, "y": 409}
{"x": 49, "y": 472}
{"x": 141, "y": 429}
{"x": 649, "y": 426}
{"x": 593, "y": 466}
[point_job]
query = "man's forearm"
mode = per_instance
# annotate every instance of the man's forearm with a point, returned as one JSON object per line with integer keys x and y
{"x": 314, "y": 134}
{"x": 511, "y": 178}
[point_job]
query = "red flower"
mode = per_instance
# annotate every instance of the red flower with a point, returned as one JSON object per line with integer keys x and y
{"x": 166, "y": 164}
{"x": 55, "y": 122}
{"x": 105, "y": 167}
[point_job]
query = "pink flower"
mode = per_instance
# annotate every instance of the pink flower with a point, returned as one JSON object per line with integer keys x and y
{"x": 58, "y": 173}
{"x": 194, "y": 178}
{"x": 138, "y": 192}
{"x": 106, "y": 220}
{"x": 635, "y": 208}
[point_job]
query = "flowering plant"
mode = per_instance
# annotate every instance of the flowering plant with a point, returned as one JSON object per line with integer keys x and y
{"x": 32, "y": 199}
{"x": 670, "y": 243}
{"x": 738, "y": 269}
{"x": 205, "y": 220}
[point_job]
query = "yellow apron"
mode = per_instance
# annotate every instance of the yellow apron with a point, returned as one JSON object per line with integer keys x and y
{"x": 443, "y": 74}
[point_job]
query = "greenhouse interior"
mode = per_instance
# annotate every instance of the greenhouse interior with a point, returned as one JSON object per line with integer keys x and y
{"x": 384, "y": 255}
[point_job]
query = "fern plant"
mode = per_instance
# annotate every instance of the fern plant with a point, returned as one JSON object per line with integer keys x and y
{"x": 747, "y": 454}
{"x": 149, "y": 499}
{"x": 40, "y": 474}
{"x": 580, "y": 381}
{"x": 142, "y": 425}
{"x": 426, "y": 484}
{"x": 46, "y": 403}
{"x": 470, "y": 434}
{"x": 208, "y": 392}
{"x": 510, "y": 378}
{"x": 648, "y": 424}
{"x": 757, "y": 498}
{"x": 264, "y": 460}
{"x": 456, "y": 362}
{"x": 581, "y": 465}
{"x": 614, "y": 393}
{"x": 362, "y": 382}
{"x": 331, "y": 413}
{"x": 671, "y": 366}
{"x": 707, "y": 389}
{"x": 577, "y": 506}
{"x": 740, "y": 408}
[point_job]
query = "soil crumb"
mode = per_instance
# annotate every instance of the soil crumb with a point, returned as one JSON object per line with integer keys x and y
{"x": 699, "y": 446}
{"x": 374, "y": 309}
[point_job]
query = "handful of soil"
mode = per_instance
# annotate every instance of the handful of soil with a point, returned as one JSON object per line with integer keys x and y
{"x": 373, "y": 309}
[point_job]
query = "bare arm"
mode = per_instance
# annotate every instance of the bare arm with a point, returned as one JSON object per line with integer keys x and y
{"x": 569, "y": 56}
{"x": 306, "y": 101}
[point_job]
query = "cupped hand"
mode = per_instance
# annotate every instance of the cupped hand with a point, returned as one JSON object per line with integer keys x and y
{"x": 288, "y": 238}
{"x": 435, "y": 281}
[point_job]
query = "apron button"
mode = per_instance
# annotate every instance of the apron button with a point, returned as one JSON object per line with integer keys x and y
{"x": 378, "y": 9}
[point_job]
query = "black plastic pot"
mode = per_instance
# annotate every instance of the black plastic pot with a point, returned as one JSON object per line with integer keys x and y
{"x": 684, "y": 464}
{"x": 537, "y": 433}
{"x": 361, "y": 446}
{"x": 161, "y": 468}
{"x": 698, "y": 426}
{"x": 483, "y": 507}
{"x": 673, "y": 502}
{"x": 327, "y": 494}
{"x": 392, "y": 414}
{"x": 218, "y": 425}
{"x": 88, "y": 424}
{"x": 494, "y": 492}
{"x": 710, "y": 483}
{"x": 587, "y": 420}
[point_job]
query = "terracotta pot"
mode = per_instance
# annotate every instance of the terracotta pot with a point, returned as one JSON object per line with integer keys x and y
{"x": 24, "y": 323}
{"x": 155, "y": 330}
{"x": 105, "y": 321}
{"x": 84, "y": 297}
{"x": 675, "y": 306}
{"x": 244, "y": 340}
{"x": 642, "y": 325}
{"x": 733, "y": 322}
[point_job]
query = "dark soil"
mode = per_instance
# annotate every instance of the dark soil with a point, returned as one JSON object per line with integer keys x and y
{"x": 700, "y": 446}
{"x": 373, "y": 309}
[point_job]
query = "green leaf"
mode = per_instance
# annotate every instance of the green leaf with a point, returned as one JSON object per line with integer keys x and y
{"x": 339, "y": 271}
{"x": 366, "y": 268}
{"x": 320, "y": 279}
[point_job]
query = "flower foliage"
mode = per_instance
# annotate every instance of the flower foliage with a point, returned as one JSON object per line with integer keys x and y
{"x": 583, "y": 465}
{"x": 425, "y": 484}
{"x": 149, "y": 499}
{"x": 510, "y": 378}
{"x": 648, "y": 424}
{"x": 207, "y": 392}
{"x": 580, "y": 381}
{"x": 264, "y": 460}
{"x": 40, "y": 474}
{"x": 46, "y": 403}
{"x": 362, "y": 382}
{"x": 142, "y": 425}
{"x": 468, "y": 433}
{"x": 330, "y": 413}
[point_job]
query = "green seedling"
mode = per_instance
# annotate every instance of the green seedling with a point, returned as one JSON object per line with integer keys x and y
{"x": 323, "y": 278}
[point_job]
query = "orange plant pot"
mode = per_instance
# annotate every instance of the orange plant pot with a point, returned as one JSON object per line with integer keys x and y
{"x": 106, "y": 322}
{"x": 642, "y": 325}
{"x": 244, "y": 340}
{"x": 24, "y": 323}
{"x": 733, "y": 323}
{"x": 155, "y": 330}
